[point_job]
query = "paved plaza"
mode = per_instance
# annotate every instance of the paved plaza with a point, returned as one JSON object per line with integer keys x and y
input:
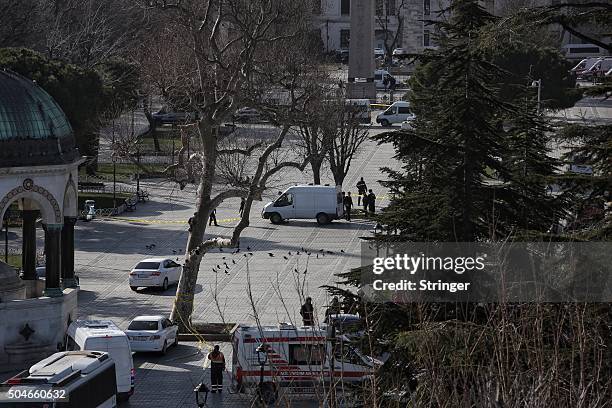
{"x": 106, "y": 249}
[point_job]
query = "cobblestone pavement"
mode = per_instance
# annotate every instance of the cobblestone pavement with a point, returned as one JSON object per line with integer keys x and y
{"x": 168, "y": 381}
{"x": 107, "y": 249}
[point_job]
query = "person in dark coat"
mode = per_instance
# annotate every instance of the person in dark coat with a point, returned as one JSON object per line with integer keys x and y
{"x": 371, "y": 202}
{"x": 348, "y": 205}
{"x": 217, "y": 366}
{"x": 361, "y": 190}
{"x": 364, "y": 202}
{"x": 307, "y": 312}
{"x": 213, "y": 217}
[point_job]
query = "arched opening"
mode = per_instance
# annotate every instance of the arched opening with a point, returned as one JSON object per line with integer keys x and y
{"x": 21, "y": 208}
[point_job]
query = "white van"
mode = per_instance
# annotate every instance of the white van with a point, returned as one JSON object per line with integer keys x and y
{"x": 379, "y": 77}
{"x": 74, "y": 379}
{"x": 360, "y": 109}
{"x": 398, "y": 112}
{"x": 324, "y": 203}
{"x": 104, "y": 335}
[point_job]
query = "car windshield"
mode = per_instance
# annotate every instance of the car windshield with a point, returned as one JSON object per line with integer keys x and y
{"x": 143, "y": 325}
{"x": 147, "y": 265}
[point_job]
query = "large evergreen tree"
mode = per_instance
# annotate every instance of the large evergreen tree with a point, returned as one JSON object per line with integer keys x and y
{"x": 475, "y": 165}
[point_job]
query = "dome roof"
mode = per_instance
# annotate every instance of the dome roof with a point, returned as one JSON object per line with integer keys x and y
{"x": 34, "y": 130}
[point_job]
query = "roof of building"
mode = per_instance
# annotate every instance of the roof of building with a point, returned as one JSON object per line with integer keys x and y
{"x": 34, "y": 131}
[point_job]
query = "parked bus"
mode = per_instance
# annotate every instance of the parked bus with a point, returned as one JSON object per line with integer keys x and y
{"x": 69, "y": 379}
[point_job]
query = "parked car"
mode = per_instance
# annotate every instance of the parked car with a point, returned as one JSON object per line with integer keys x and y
{"x": 155, "y": 272}
{"x": 400, "y": 52}
{"x": 379, "y": 78}
{"x": 247, "y": 115}
{"x": 42, "y": 270}
{"x": 152, "y": 333}
{"x": 166, "y": 117}
{"x": 104, "y": 335}
{"x": 379, "y": 52}
{"x": 323, "y": 203}
{"x": 342, "y": 55}
{"x": 398, "y": 112}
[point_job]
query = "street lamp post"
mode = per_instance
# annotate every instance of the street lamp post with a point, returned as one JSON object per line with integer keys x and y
{"x": 262, "y": 358}
{"x": 114, "y": 159}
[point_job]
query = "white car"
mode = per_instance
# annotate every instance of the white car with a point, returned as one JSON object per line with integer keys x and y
{"x": 379, "y": 52}
{"x": 400, "y": 52}
{"x": 407, "y": 124}
{"x": 152, "y": 333}
{"x": 155, "y": 272}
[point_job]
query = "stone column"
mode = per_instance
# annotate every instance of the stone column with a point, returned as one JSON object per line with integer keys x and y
{"x": 28, "y": 248}
{"x": 361, "y": 51}
{"x": 53, "y": 256}
{"x": 68, "y": 252}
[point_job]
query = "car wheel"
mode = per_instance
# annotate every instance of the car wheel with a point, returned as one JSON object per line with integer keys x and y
{"x": 165, "y": 285}
{"x": 164, "y": 349}
{"x": 322, "y": 219}
{"x": 175, "y": 340}
{"x": 275, "y": 218}
{"x": 134, "y": 288}
{"x": 385, "y": 123}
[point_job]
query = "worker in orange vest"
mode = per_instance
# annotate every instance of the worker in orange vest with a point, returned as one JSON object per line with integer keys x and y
{"x": 217, "y": 366}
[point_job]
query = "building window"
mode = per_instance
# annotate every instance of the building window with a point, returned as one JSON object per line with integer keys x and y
{"x": 379, "y": 8}
{"x": 345, "y": 38}
{"x": 426, "y": 39}
{"x": 426, "y": 7}
{"x": 345, "y": 7}
{"x": 316, "y": 7}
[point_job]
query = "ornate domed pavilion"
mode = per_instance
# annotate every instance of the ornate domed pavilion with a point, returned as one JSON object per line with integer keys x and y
{"x": 38, "y": 180}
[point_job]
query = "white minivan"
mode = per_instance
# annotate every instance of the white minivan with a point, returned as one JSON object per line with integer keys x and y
{"x": 398, "y": 112}
{"x": 323, "y": 203}
{"x": 104, "y": 335}
{"x": 379, "y": 78}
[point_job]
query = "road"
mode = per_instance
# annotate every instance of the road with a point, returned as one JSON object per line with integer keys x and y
{"x": 107, "y": 249}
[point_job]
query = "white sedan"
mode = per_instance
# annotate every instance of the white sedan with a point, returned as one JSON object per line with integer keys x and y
{"x": 152, "y": 333}
{"x": 156, "y": 272}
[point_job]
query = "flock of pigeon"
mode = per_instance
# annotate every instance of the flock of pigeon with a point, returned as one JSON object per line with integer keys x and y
{"x": 218, "y": 268}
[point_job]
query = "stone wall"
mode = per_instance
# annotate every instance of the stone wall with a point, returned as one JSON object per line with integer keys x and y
{"x": 32, "y": 329}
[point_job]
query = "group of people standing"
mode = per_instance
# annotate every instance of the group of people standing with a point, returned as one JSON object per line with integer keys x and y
{"x": 365, "y": 198}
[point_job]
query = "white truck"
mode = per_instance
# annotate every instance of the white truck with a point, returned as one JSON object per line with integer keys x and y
{"x": 298, "y": 360}
{"x": 323, "y": 203}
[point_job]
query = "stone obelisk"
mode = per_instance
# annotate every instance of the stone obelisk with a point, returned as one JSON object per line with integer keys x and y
{"x": 361, "y": 51}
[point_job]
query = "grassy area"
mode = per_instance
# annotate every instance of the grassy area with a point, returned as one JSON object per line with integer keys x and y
{"x": 103, "y": 200}
{"x": 13, "y": 259}
{"x": 164, "y": 144}
{"x": 124, "y": 171}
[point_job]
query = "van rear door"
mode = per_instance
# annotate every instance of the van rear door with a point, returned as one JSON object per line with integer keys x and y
{"x": 119, "y": 350}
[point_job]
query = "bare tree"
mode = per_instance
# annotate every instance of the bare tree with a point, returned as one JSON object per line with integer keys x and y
{"x": 346, "y": 135}
{"x": 226, "y": 52}
{"x": 389, "y": 14}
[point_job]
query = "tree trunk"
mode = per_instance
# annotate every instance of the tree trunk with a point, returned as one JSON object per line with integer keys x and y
{"x": 316, "y": 170}
{"x": 153, "y": 129}
{"x": 183, "y": 305}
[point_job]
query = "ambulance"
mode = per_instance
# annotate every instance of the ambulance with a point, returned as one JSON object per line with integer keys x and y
{"x": 298, "y": 360}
